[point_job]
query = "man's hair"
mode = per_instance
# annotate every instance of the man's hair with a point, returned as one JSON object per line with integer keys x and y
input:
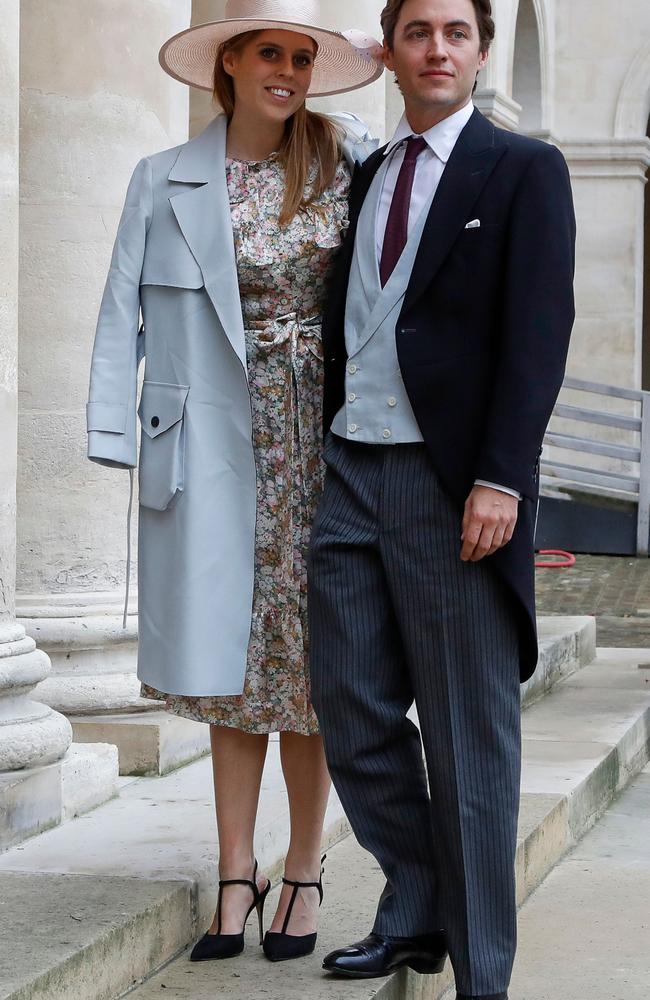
{"x": 483, "y": 9}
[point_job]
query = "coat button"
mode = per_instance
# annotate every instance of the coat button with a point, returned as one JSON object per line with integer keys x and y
{"x": 155, "y": 421}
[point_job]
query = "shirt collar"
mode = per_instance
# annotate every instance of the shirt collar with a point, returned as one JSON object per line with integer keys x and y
{"x": 441, "y": 138}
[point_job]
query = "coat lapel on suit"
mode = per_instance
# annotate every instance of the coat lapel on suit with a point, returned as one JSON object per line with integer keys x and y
{"x": 203, "y": 214}
{"x": 473, "y": 159}
{"x": 362, "y": 178}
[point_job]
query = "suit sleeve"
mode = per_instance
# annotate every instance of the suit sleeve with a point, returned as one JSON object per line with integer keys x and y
{"x": 111, "y": 409}
{"x": 537, "y": 319}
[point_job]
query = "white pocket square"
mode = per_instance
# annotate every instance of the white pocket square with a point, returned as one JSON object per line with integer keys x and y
{"x": 474, "y": 224}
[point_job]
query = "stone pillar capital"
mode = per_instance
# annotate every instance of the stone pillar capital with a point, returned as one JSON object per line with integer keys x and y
{"x": 500, "y": 108}
{"x": 608, "y": 157}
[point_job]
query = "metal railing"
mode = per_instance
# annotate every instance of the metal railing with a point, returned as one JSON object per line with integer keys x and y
{"x": 627, "y": 485}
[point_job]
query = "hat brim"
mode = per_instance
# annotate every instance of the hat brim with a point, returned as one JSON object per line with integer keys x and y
{"x": 339, "y": 66}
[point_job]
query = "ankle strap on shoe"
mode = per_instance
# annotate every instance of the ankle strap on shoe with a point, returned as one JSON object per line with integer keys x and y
{"x": 251, "y": 883}
{"x": 306, "y": 885}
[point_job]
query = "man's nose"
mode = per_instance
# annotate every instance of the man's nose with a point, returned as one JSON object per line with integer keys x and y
{"x": 437, "y": 47}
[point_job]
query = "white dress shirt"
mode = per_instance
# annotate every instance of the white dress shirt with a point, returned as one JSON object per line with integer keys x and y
{"x": 429, "y": 169}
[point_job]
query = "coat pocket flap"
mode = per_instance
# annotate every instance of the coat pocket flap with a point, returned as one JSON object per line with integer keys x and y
{"x": 176, "y": 270}
{"x": 161, "y": 406}
{"x": 110, "y": 417}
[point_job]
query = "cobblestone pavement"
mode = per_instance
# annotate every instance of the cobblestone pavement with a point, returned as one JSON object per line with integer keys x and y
{"x": 616, "y": 589}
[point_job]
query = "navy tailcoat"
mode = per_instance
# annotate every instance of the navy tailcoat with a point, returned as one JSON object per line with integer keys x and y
{"x": 483, "y": 333}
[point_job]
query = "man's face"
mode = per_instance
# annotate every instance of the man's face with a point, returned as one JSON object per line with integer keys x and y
{"x": 436, "y": 55}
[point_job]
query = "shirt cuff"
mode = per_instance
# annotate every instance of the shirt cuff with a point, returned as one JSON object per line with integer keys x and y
{"x": 501, "y": 489}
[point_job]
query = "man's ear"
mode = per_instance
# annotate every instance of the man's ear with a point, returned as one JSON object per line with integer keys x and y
{"x": 389, "y": 62}
{"x": 482, "y": 60}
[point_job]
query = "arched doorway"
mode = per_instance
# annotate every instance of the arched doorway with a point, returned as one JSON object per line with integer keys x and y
{"x": 527, "y": 68}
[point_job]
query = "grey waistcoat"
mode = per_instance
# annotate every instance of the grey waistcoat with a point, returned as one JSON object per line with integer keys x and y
{"x": 377, "y": 409}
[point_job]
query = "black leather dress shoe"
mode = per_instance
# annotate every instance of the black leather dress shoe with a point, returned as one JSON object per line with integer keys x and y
{"x": 489, "y": 996}
{"x": 378, "y": 955}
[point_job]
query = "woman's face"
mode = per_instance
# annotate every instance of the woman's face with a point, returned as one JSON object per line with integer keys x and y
{"x": 272, "y": 74}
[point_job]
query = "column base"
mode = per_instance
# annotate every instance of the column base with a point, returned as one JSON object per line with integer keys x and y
{"x": 93, "y": 658}
{"x": 31, "y": 734}
{"x": 37, "y": 798}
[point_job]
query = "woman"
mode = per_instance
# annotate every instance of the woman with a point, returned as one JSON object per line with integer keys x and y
{"x": 225, "y": 244}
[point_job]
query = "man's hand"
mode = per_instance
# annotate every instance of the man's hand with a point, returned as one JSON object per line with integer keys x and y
{"x": 488, "y": 522}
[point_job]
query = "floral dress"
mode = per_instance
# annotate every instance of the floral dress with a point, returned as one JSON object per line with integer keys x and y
{"x": 282, "y": 282}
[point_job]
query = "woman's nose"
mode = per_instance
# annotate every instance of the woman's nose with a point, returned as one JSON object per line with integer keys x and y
{"x": 286, "y": 67}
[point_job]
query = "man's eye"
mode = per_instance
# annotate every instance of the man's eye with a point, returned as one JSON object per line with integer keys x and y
{"x": 418, "y": 35}
{"x": 459, "y": 35}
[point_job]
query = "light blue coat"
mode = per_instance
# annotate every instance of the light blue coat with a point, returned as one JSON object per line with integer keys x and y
{"x": 174, "y": 261}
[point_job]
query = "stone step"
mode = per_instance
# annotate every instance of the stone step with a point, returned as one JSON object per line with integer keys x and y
{"x": 566, "y": 644}
{"x": 72, "y": 937}
{"x": 591, "y": 914}
{"x": 149, "y": 742}
{"x": 159, "y": 834}
{"x": 162, "y": 829}
{"x": 37, "y": 798}
{"x": 582, "y": 744}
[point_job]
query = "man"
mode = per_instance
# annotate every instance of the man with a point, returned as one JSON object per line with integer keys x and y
{"x": 445, "y": 344}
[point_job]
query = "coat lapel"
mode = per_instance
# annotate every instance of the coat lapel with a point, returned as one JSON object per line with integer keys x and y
{"x": 472, "y": 161}
{"x": 334, "y": 318}
{"x": 203, "y": 214}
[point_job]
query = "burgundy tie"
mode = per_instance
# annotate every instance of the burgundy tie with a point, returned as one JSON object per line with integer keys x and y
{"x": 397, "y": 227}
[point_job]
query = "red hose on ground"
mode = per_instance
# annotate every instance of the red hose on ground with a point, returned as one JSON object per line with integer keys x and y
{"x": 567, "y": 559}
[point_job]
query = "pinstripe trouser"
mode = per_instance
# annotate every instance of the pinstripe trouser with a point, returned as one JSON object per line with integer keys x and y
{"x": 395, "y": 616}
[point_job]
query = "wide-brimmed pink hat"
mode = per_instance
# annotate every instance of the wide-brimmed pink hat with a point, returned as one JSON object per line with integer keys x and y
{"x": 345, "y": 60}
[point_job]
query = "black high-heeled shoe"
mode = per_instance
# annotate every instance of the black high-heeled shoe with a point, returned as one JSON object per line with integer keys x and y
{"x": 279, "y": 947}
{"x": 215, "y": 946}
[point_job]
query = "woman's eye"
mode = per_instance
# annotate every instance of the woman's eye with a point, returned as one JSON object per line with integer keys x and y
{"x": 268, "y": 53}
{"x": 303, "y": 61}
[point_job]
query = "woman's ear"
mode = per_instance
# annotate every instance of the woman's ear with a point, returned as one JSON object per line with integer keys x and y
{"x": 229, "y": 63}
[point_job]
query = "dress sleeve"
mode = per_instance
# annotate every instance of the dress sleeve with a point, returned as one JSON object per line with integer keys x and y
{"x": 339, "y": 197}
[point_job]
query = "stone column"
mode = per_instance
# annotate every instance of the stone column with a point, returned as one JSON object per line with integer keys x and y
{"x": 31, "y": 734}
{"x": 93, "y": 102}
{"x": 608, "y": 177}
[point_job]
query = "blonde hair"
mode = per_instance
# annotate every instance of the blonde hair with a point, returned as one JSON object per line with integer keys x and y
{"x": 309, "y": 138}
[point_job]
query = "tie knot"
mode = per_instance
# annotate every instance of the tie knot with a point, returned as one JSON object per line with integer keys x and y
{"x": 414, "y": 146}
